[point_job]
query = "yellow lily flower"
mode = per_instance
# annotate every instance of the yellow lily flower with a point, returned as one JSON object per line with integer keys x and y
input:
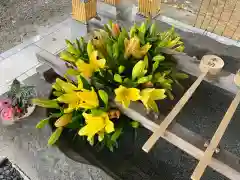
{"x": 85, "y": 68}
{"x": 150, "y": 95}
{"x": 88, "y": 69}
{"x": 132, "y": 47}
{"x": 96, "y": 125}
{"x": 82, "y": 99}
{"x": 125, "y": 95}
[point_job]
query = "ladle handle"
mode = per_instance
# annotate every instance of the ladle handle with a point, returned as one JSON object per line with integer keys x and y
{"x": 167, "y": 121}
{"x": 206, "y": 159}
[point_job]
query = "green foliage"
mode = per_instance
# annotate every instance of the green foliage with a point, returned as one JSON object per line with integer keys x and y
{"x": 104, "y": 96}
{"x": 21, "y": 95}
{"x": 46, "y": 103}
{"x": 55, "y": 136}
{"x": 42, "y": 123}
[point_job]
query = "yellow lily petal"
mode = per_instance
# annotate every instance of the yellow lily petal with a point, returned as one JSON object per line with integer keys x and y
{"x": 158, "y": 94}
{"x": 109, "y": 126}
{"x": 125, "y": 95}
{"x": 80, "y": 83}
{"x": 134, "y": 94}
{"x": 68, "y": 98}
{"x": 85, "y": 69}
{"x": 125, "y": 103}
{"x": 71, "y": 108}
{"x": 66, "y": 86}
{"x": 100, "y": 136}
{"x": 149, "y": 95}
{"x": 89, "y": 99}
{"x": 152, "y": 105}
{"x": 96, "y": 125}
{"x": 132, "y": 47}
{"x": 96, "y": 64}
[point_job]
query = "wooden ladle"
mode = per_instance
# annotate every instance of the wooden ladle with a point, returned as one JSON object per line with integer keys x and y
{"x": 209, "y": 64}
{"x": 206, "y": 159}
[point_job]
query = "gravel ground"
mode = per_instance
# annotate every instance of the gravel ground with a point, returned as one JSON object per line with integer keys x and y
{"x": 22, "y": 19}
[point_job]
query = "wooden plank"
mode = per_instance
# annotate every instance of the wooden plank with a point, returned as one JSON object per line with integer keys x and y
{"x": 205, "y": 160}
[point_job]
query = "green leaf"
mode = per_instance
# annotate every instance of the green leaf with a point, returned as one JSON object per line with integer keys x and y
{"x": 82, "y": 44}
{"x": 104, "y": 96}
{"x": 143, "y": 28}
{"x": 46, "y": 103}
{"x": 179, "y": 48}
{"x": 117, "y": 78}
{"x": 173, "y": 42}
{"x": 170, "y": 95}
{"x": 115, "y": 50}
{"x": 72, "y": 72}
{"x": 181, "y": 76}
{"x": 56, "y": 115}
{"x": 153, "y": 29}
{"x": 133, "y": 30}
{"x": 55, "y": 136}
{"x": 144, "y": 79}
{"x": 121, "y": 69}
{"x": 146, "y": 61}
{"x": 15, "y": 87}
{"x": 155, "y": 66}
{"x": 76, "y": 122}
{"x": 78, "y": 46}
{"x": 43, "y": 123}
{"x": 109, "y": 50}
{"x": 106, "y": 28}
{"x": 85, "y": 83}
{"x": 67, "y": 56}
{"x": 90, "y": 48}
{"x": 96, "y": 112}
{"x": 135, "y": 124}
{"x": 158, "y": 58}
{"x": 179, "y": 84}
{"x": 138, "y": 70}
{"x": 57, "y": 93}
{"x": 110, "y": 23}
{"x": 91, "y": 141}
{"x": 129, "y": 83}
{"x": 71, "y": 48}
{"x": 116, "y": 134}
{"x": 141, "y": 38}
{"x": 56, "y": 86}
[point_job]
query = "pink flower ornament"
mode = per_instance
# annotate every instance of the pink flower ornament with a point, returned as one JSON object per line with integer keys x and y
{"x": 7, "y": 113}
{"x": 5, "y": 103}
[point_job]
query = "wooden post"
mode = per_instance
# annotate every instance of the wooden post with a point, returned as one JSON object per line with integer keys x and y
{"x": 84, "y": 10}
{"x": 112, "y": 2}
{"x": 149, "y": 7}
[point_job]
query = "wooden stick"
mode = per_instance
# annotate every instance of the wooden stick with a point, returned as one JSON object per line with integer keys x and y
{"x": 206, "y": 159}
{"x": 167, "y": 121}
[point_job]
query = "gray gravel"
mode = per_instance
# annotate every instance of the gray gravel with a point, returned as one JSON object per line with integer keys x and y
{"x": 22, "y": 19}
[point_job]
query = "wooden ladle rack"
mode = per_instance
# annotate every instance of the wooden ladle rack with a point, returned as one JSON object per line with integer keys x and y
{"x": 209, "y": 64}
